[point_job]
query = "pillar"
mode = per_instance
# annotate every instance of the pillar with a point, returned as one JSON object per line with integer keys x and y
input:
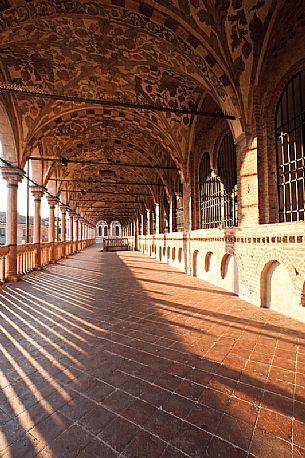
{"x": 71, "y": 225}
{"x": 148, "y": 221}
{"x": 76, "y": 219}
{"x": 37, "y": 192}
{"x": 187, "y": 226}
{"x": 52, "y": 201}
{"x": 80, "y": 230}
{"x": 13, "y": 176}
{"x": 136, "y": 234}
{"x": 63, "y": 209}
{"x": 161, "y": 216}
{"x": 157, "y": 206}
{"x": 247, "y": 181}
{"x": 171, "y": 215}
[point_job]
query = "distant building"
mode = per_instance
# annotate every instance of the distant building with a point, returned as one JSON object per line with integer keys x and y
{"x": 21, "y": 229}
{"x": 105, "y": 230}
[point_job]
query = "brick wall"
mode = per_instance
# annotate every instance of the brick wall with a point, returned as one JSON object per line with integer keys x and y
{"x": 252, "y": 249}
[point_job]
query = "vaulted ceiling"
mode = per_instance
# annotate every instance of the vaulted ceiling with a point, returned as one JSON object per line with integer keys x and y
{"x": 174, "y": 53}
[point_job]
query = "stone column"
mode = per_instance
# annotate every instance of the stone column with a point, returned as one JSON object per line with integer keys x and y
{"x": 170, "y": 216}
{"x": 76, "y": 219}
{"x": 37, "y": 192}
{"x": 80, "y": 229}
{"x": 141, "y": 224}
{"x": 187, "y": 226}
{"x": 71, "y": 225}
{"x": 161, "y": 216}
{"x": 13, "y": 176}
{"x": 76, "y": 227}
{"x": 148, "y": 221}
{"x": 52, "y": 201}
{"x": 71, "y": 230}
{"x": 135, "y": 232}
{"x": 157, "y": 206}
{"x": 63, "y": 209}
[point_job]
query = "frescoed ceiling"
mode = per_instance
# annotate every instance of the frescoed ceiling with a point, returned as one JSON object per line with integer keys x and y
{"x": 174, "y": 53}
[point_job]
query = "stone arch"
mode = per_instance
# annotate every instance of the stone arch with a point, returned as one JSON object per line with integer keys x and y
{"x": 217, "y": 144}
{"x": 272, "y": 97}
{"x": 8, "y": 148}
{"x": 195, "y": 263}
{"x": 207, "y": 260}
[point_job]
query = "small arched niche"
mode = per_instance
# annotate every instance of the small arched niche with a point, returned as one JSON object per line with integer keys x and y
{"x": 277, "y": 290}
{"x": 180, "y": 255}
{"x": 195, "y": 263}
{"x": 168, "y": 253}
{"x": 229, "y": 273}
{"x": 173, "y": 253}
{"x": 207, "y": 261}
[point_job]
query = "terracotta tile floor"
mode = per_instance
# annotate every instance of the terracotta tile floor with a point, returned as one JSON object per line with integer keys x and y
{"x": 107, "y": 355}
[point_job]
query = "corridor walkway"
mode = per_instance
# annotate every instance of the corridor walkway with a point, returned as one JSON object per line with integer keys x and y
{"x": 115, "y": 354}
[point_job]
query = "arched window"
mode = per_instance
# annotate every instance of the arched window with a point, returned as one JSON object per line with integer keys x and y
{"x": 105, "y": 231}
{"x": 218, "y": 193}
{"x": 100, "y": 231}
{"x": 210, "y": 195}
{"x": 226, "y": 164}
{"x": 290, "y": 140}
{"x": 179, "y": 208}
{"x": 117, "y": 231}
{"x": 166, "y": 213}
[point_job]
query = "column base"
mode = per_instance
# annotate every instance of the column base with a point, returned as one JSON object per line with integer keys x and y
{"x": 12, "y": 278}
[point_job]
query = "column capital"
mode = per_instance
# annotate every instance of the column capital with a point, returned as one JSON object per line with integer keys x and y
{"x": 71, "y": 212}
{"x": 13, "y": 175}
{"x": 52, "y": 201}
{"x": 37, "y": 191}
{"x": 63, "y": 208}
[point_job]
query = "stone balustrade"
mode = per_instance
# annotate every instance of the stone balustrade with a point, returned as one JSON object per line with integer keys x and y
{"x": 49, "y": 253}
